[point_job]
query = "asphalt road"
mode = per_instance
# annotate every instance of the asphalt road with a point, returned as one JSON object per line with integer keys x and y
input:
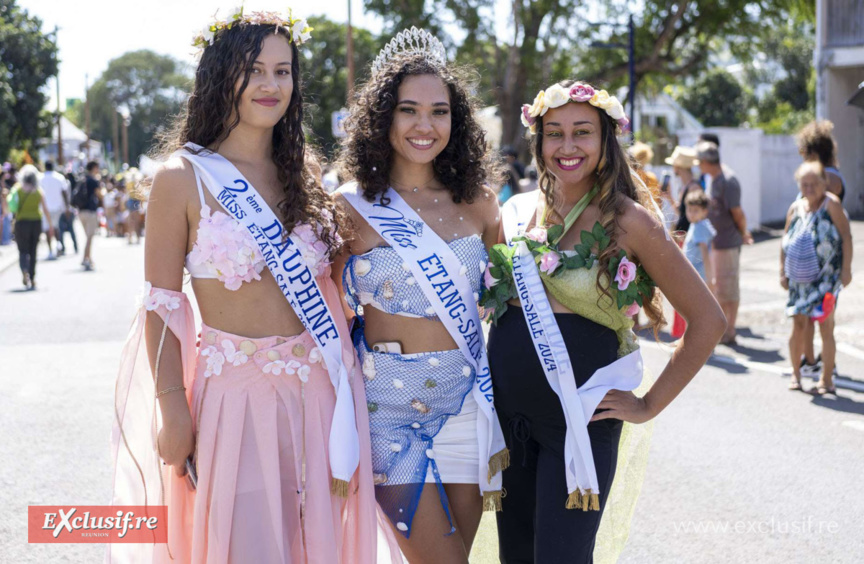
{"x": 740, "y": 470}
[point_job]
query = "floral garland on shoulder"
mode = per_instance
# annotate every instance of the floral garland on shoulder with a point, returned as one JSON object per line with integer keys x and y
{"x": 633, "y": 283}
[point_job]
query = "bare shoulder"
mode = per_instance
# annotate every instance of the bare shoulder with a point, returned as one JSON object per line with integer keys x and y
{"x": 486, "y": 205}
{"x": 834, "y": 207}
{"x": 174, "y": 182}
{"x": 833, "y": 202}
{"x": 636, "y": 223}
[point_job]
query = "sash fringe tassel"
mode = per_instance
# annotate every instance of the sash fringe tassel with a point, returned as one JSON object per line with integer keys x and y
{"x": 339, "y": 487}
{"x": 585, "y": 502}
{"x": 500, "y": 461}
{"x": 492, "y": 501}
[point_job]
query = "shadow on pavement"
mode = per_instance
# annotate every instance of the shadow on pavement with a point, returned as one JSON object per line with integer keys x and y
{"x": 840, "y": 403}
{"x": 727, "y": 366}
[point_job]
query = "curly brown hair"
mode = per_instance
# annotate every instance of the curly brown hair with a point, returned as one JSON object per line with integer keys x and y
{"x": 212, "y": 112}
{"x": 815, "y": 139}
{"x": 465, "y": 164}
{"x": 618, "y": 181}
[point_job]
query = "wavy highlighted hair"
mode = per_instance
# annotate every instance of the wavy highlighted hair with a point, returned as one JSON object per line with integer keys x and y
{"x": 464, "y": 165}
{"x": 212, "y": 112}
{"x": 618, "y": 181}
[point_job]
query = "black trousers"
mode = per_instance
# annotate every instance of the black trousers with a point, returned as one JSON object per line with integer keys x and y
{"x": 535, "y": 526}
{"x": 27, "y": 232}
{"x": 66, "y": 225}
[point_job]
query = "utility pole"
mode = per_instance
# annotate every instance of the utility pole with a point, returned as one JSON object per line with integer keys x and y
{"x": 350, "y": 55}
{"x": 59, "y": 113}
{"x": 87, "y": 114}
{"x": 631, "y": 68}
{"x": 125, "y": 139}
{"x": 115, "y": 149}
{"x": 59, "y": 127}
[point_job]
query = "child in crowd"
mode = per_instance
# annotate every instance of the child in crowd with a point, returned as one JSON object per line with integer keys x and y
{"x": 700, "y": 234}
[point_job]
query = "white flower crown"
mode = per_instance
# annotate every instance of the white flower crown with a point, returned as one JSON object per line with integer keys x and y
{"x": 297, "y": 28}
{"x": 556, "y": 96}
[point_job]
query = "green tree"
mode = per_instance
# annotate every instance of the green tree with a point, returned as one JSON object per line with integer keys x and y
{"x": 717, "y": 99}
{"x": 149, "y": 86}
{"x": 514, "y": 68}
{"x": 28, "y": 58}
{"x": 325, "y": 73}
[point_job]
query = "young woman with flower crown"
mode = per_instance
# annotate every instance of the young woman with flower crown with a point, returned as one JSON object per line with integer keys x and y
{"x": 575, "y": 264}
{"x": 260, "y": 415}
{"x": 423, "y": 219}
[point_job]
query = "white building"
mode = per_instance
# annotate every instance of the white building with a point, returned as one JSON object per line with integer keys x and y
{"x": 74, "y": 145}
{"x": 839, "y": 60}
{"x": 662, "y": 111}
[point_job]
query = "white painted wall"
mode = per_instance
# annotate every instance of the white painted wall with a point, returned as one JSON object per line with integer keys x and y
{"x": 740, "y": 150}
{"x": 779, "y": 160}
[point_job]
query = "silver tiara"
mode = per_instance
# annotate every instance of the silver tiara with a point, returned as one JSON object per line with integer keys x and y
{"x": 410, "y": 41}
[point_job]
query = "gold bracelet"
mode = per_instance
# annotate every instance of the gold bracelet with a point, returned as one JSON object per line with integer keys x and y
{"x": 169, "y": 390}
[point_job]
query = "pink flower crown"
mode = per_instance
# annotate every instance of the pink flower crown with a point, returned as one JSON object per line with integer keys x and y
{"x": 297, "y": 28}
{"x": 556, "y": 96}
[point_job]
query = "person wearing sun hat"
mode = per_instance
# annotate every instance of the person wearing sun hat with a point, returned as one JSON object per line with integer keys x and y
{"x": 682, "y": 160}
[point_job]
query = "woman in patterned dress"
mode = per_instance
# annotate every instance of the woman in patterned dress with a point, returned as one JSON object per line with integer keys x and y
{"x": 819, "y": 214}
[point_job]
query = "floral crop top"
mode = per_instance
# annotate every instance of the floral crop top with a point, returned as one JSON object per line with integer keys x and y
{"x": 226, "y": 251}
{"x": 379, "y": 278}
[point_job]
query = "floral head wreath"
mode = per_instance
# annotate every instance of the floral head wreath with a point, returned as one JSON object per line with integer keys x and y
{"x": 297, "y": 28}
{"x": 556, "y": 96}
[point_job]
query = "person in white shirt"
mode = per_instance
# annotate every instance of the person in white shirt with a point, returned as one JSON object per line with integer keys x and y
{"x": 57, "y": 197}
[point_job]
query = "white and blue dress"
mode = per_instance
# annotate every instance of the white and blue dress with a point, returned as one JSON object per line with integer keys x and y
{"x": 422, "y": 415}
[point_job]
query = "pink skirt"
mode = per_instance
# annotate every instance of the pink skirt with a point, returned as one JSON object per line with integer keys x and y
{"x": 262, "y": 409}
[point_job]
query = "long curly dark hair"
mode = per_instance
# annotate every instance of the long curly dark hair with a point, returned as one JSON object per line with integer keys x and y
{"x": 212, "y": 112}
{"x": 617, "y": 181}
{"x": 464, "y": 165}
{"x": 816, "y": 139}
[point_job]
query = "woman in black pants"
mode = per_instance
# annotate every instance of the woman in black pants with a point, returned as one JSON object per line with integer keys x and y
{"x": 30, "y": 205}
{"x": 583, "y": 255}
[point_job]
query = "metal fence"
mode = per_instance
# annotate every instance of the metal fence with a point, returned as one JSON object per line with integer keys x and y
{"x": 845, "y": 23}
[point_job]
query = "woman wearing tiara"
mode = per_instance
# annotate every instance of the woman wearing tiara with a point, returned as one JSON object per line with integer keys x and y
{"x": 260, "y": 415}
{"x": 423, "y": 218}
{"x": 583, "y": 254}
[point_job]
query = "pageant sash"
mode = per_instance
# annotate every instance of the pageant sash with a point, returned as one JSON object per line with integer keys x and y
{"x": 243, "y": 202}
{"x": 578, "y": 404}
{"x": 437, "y": 271}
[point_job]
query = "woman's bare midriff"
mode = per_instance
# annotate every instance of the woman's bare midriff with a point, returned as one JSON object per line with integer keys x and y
{"x": 416, "y": 335}
{"x": 257, "y": 309}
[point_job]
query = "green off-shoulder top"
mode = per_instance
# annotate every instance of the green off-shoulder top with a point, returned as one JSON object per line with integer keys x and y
{"x": 576, "y": 289}
{"x": 571, "y": 276}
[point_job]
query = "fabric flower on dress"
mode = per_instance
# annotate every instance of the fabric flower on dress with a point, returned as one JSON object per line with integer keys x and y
{"x": 232, "y": 354}
{"x": 632, "y": 310}
{"x": 538, "y": 234}
{"x": 226, "y": 250}
{"x": 549, "y": 262}
{"x": 314, "y": 251}
{"x": 303, "y": 373}
{"x": 315, "y": 355}
{"x": 488, "y": 279}
{"x": 150, "y": 300}
{"x": 215, "y": 360}
{"x": 626, "y": 274}
{"x": 274, "y": 367}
